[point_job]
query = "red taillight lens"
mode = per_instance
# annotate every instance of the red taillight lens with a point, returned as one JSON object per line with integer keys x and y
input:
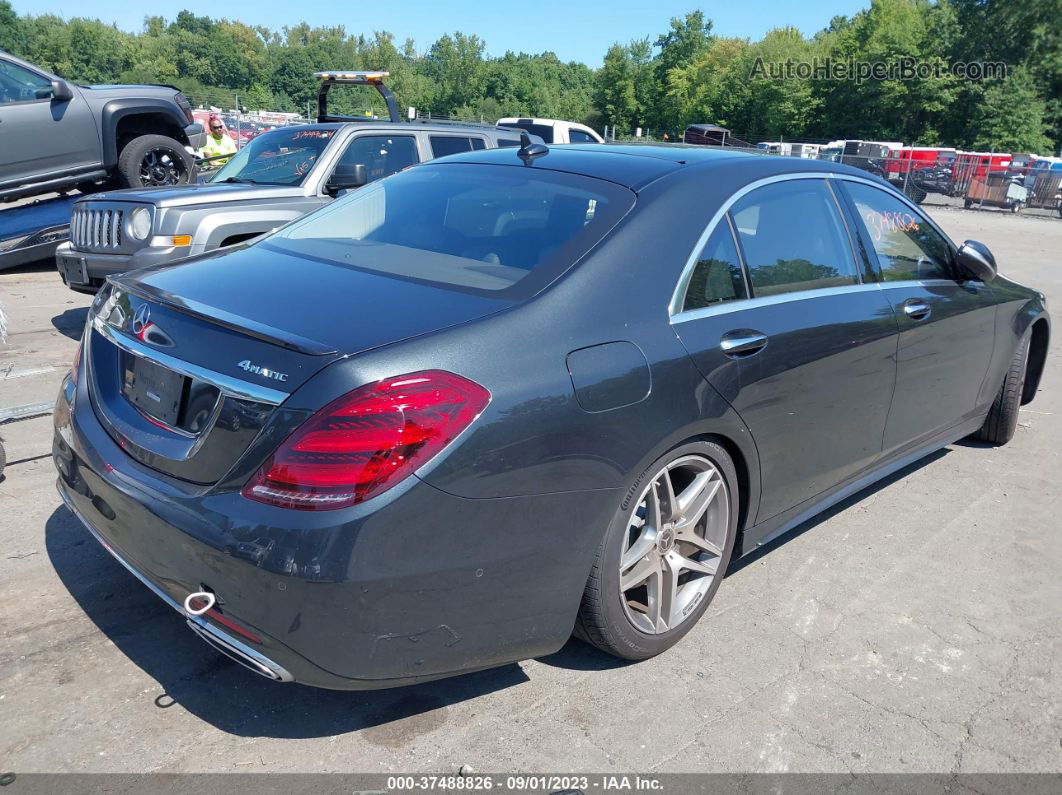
{"x": 367, "y": 441}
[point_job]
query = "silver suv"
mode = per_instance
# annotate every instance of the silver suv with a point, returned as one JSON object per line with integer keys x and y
{"x": 276, "y": 178}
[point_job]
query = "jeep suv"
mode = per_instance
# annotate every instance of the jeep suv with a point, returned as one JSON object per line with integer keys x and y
{"x": 277, "y": 177}
{"x": 58, "y": 136}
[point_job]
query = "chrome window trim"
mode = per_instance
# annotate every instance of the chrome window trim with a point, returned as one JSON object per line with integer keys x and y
{"x": 232, "y": 387}
{"x": 800, "y": 295}
{"x": 678, "y": 297}
{"x": 770, "y": 300}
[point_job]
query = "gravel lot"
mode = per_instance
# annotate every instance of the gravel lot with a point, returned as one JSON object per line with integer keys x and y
{"x": 918, "y": 627}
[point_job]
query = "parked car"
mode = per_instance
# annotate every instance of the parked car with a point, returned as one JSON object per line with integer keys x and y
{"x": 554, "y": 131}
{"x": 58, "y": 136}
{"x": 436, "y": 425}
{"x": 712, "y": 135}
{"x": 275, "y": 178}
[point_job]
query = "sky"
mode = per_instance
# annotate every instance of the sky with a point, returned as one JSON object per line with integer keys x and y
{"x": 575, "y": 31}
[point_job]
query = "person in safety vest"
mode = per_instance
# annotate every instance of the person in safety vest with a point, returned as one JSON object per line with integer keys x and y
{"x": 217, "y": 143}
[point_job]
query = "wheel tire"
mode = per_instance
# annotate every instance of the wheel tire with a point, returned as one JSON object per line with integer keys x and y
{"x": 967, "y": 204}
{"x": 603, "y": 620}
{"x": 131, "y": 162}
{"x": 915, "y": 193}
{"x": 1002, "y": 419}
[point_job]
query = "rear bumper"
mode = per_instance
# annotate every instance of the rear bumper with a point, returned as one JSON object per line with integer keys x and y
{"x": 226, "y": 644}
{"x": 421, "y": 586}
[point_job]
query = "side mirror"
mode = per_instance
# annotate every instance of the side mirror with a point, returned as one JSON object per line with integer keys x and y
{"x": 975, "y": 259}
{"x": 61, "y": 91}
{"x": 345, "y": 177}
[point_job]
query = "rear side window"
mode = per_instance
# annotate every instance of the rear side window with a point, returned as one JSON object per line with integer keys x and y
{"x": 908, "y": 248}
{"x": 792, "y": 237}
{"x": 382, "y": 155}
{"x": 491, "y": 229}
{"x": 503, "y": 142}
{"x": 717, "y": 275}
{"x": 443, "y": 145}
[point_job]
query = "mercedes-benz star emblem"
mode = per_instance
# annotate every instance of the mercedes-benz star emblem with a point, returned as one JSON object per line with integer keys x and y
{"x": 141, "y": 319}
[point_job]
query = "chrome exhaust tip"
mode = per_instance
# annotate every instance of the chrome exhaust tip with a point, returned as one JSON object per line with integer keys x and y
{"x": 238, "y": 652}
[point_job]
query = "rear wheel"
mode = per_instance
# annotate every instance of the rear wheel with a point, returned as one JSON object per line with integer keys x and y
{"x": 664, "y": 554}
{"x": 1002, "y": 419}
{"x": 151, "y": 160}
{"x": 915, "y": 193}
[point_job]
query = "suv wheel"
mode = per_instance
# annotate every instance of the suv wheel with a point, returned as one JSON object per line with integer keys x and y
{"x": 151, "y": 160}
{"x": 664, "y": 554}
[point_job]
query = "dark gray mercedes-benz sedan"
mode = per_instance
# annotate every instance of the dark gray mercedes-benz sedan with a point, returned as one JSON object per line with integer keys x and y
{"x": 445, "y": 421}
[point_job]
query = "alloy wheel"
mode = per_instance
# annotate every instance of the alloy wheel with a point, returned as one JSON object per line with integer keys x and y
{"x": 674, "y": 544}
{"x": 160, "y": 166}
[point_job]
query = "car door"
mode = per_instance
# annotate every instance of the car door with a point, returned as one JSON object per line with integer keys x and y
{"x": 946, "y": 320}
{"x": 778, "y": 317}
{"x": 41, "y": 135}
{"x": 381, "y": 154}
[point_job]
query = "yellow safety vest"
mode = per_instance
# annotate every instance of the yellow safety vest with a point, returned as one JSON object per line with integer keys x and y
{"x": 218, "y": 146}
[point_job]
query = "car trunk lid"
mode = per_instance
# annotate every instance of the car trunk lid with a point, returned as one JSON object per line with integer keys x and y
{"x": 188, "y": 363}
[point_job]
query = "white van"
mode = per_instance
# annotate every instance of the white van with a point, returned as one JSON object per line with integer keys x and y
{"x": 553, "y": 131}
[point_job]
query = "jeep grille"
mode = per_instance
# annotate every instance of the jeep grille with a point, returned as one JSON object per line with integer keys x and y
{"x": 96, "y": 229}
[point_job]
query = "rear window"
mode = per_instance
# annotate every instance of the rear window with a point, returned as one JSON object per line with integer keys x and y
{"x": 543, "y": 131}
{"x": 497, "y": 230}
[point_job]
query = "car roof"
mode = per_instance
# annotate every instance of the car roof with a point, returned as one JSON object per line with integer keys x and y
{"x": 637, "y": 165}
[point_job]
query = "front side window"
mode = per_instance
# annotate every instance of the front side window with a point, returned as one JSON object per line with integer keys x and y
{"x": 793, "y": 239}
{"x": 580, "y": 137}
{"x": 474, "y": 227}
{"x": 18, "y": 84}
{"x": 717, "y": 275}
{"x": 443, "y": 145}
{"x": 382, "y": 155}
{"x": 280, "y": 157}
{"x": 908, "y": 248}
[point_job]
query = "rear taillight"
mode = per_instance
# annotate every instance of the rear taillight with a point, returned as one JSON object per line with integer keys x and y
{"x": 367, "y": 441}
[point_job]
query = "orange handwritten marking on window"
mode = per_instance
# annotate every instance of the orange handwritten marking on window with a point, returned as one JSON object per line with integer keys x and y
{"x": 312, "y": 134}
{"x": 881, "y": 223}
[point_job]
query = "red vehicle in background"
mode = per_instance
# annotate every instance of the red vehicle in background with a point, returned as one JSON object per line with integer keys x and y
{"x": 919, "y": 170}
{"x": 911, "y": 159}
{"x": 969, "y": 165}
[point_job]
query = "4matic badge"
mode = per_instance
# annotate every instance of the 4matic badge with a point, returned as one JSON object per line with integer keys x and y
{"x": 265, "y": 372}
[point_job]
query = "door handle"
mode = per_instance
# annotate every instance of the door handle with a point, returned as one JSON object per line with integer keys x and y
{"x": 742, "y": 342}
{"x": 916, "y": 309}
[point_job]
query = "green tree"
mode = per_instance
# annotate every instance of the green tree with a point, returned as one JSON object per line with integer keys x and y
{"x": 10, "y": 29}
{"x": 686, "y": 41}
{"x": 1011, "y": 117}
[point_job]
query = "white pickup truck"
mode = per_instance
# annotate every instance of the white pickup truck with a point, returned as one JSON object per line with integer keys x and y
{"x": 554, "y": 131}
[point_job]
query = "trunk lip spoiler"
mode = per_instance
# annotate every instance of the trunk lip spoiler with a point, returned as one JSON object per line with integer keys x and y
{"x": 227, "y": 320}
